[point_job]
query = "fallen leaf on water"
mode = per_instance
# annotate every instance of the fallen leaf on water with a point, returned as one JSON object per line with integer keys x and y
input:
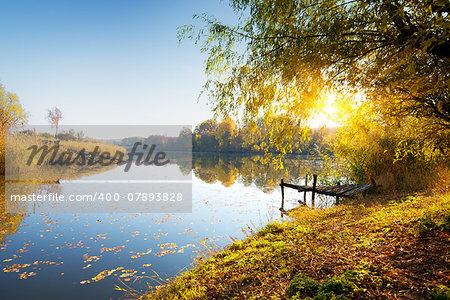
{"x": 14, "y": 267}
{"x": 88, "y": 258}
{"x": 139, "y": 254}
{"x": 115, "y": 249}
{"x": 157, "y": 236}
{"x": 25, "y": 275}
{"x": 168, "y": 245}
{"x": 101, "y": 275}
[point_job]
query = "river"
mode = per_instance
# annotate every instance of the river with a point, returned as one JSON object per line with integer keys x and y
{"x": 86, "y": 255}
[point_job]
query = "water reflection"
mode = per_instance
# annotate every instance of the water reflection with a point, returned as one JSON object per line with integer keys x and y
{"x": 13, "y": 213}
{"x": 229, "y": 193}
{"x": 9, "y": 223}
{"x": 252, "y": 171}
{"x": 248, "y": 170}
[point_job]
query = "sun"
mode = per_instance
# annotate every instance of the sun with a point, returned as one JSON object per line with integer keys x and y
{"x": 328, "y": 114}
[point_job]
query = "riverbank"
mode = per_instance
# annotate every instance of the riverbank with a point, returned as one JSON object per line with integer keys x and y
{"x": 391, "y": 246}
{"x": 33, "y": 156}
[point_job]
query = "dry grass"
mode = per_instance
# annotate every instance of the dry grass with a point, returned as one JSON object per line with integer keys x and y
{"x": 16, "y": 154}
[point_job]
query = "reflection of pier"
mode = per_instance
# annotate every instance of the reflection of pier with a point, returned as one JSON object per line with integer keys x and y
{"x": 344, "y": 190}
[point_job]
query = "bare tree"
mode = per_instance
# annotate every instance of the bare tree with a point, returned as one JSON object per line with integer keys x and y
{"x": 54, "y": 116}
{"x": 79, "y": 135}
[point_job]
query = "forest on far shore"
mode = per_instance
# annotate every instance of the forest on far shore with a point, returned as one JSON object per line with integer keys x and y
{"x": 227, "y": 137}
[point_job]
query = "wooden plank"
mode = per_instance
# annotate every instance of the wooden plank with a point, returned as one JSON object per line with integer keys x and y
{"x": 335, "y": 190}
{"x": 297, "y": 187}
{"x": 358, "y": 190}
{"x": 340, "y": 188}
{"x": 365, "y": 188}
{"x": 328, "y": 188}
{"x": 345, "y": 190}
{"x": 349, "y": 190}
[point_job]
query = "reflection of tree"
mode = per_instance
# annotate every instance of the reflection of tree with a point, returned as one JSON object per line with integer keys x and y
{"x": 206, "y": 175}
{"x": 9, "y": 223}
{"x": 183, "y": 161}
{"x": 203, "y": 166}
{"x": 226, "y": 172}
{"x": 248, "y": 170}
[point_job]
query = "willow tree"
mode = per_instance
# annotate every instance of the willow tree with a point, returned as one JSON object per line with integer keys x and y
{"x": 12, "y": 115}
{"x": 282, "y": 56}
{"x": 11, "y": 111}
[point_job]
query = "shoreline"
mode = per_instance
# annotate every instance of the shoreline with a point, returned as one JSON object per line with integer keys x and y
{"x": 377, "y": 250}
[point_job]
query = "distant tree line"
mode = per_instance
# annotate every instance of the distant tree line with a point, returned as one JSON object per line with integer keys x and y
{"x": 221, "y": 137}
{"x": 226, "y": 136}
{"x": 182, "y": 142}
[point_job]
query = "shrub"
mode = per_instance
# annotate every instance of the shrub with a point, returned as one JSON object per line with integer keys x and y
{"x": 441, "y": 292}
{"x": 302, "y": 286}
{"x": 395, "y": 155}
{"x": 426, "y": 224}
{"x": 271, "y": 228}
{"x": 336, "y": 287}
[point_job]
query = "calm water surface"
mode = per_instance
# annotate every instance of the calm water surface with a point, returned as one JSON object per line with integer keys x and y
{"x": 54, "y": 256}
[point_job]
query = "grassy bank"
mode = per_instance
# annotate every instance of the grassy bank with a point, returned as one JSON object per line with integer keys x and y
{"x": 390, "y": 247}
{"x": 18, "y": 153}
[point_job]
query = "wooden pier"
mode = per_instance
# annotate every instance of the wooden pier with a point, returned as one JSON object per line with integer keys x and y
{"x": 344, "y": 190}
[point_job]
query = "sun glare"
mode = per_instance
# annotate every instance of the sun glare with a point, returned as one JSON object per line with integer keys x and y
{"x": 328, "y": 113}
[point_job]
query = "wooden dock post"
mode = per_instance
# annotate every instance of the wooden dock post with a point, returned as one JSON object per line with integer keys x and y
{"x": 314, "y": 191}
{"x": 282, "y": 194}
{"x": 337, "y": 197}
{"x": 304, "y": 193}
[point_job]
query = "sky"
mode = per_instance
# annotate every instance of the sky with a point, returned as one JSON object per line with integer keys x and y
{"x": 107, "y": 62}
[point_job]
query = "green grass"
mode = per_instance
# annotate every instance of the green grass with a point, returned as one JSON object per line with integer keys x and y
{"x": 394, "y": 247}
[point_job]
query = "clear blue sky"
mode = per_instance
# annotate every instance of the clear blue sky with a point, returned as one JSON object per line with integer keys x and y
{"x": 105, "y": 62}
